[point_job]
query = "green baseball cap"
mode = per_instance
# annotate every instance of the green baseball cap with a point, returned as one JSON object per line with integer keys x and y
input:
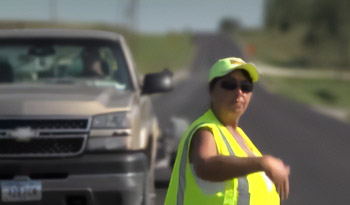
{"x": 226, "y": 65}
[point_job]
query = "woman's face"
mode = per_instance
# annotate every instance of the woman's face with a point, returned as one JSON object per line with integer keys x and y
{"x": 232, "y": 93}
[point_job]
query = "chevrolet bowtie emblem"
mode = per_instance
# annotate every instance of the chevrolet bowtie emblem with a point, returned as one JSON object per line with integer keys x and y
{"x": 23, "y": 133}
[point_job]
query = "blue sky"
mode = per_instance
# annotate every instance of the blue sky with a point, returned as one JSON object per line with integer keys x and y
{"x": 151, "y": 16}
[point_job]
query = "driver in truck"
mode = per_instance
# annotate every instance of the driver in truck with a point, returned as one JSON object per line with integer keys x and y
{"x": 93, "y": 64}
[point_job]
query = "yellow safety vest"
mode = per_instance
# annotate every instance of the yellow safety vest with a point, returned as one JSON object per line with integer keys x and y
{"x": 253, "y": 189}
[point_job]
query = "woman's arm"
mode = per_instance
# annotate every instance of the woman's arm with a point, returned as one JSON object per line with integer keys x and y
{"x": 210, "y": 166}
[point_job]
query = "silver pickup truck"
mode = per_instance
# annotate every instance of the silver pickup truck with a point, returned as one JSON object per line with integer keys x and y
{"x": 76, "y": 124}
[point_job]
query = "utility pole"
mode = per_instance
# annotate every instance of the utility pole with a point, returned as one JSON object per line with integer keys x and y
{"x": 131, "y": 14}
{"x": 53, "y": 10}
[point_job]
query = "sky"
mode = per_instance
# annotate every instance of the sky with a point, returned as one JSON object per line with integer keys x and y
{"x": 148, "y": 16}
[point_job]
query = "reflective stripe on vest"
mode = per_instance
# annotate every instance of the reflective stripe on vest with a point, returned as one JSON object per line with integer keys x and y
{"x": 243, "y": 185}
{"x": 183, "y": 162}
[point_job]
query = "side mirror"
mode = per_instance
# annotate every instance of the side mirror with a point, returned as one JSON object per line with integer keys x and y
{"x": 158, "y": 82}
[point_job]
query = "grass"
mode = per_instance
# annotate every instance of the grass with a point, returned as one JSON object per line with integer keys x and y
{"x": 288, "y": 49}
{"x": 287, "y": 52}
{"x": 153, "y": 53}
{"x": 272, "y": 46}
{"x": 330, "y": 93}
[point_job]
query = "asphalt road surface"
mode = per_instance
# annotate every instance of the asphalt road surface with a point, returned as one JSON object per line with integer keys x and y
{"x": 314, "y": 145}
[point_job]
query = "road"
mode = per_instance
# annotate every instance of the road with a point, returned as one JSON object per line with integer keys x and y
{"x": 314, "y": 145}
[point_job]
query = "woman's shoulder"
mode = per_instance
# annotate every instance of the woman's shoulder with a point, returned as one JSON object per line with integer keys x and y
{"x": 204, "y": 120}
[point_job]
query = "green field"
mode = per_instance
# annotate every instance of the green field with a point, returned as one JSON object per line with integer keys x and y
{"x": 288, "y": 49}
{"x": 326, "y": 92}
{"x": 323, "y": 93}
{"x": 153, "y": 53}
{"x": 286, "y": 52}
{"x": 271, "y": 46}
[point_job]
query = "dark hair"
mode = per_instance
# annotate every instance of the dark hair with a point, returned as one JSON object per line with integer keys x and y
{"x": 212, "y": 83}
{"x": 215, "y": 80}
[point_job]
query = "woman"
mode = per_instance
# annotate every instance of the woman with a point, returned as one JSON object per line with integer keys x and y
{"x": 216, "y": 162}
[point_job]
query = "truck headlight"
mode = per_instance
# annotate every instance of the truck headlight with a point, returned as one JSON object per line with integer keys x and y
{"x": 117, "y": 120}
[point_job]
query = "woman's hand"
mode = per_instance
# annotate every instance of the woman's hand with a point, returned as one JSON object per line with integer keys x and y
{"x": 278, "y": 172}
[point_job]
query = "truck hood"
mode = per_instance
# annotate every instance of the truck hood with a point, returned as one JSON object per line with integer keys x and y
{"x": 52, "y": 99}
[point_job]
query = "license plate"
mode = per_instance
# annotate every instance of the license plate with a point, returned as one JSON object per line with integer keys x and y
{"x": 12, "y": 191}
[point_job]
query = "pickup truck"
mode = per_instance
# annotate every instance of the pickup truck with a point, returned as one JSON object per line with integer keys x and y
{"x": 76, "y": 120}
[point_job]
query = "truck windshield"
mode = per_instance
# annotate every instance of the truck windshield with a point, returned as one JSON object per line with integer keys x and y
{"x": 67, "y": 60}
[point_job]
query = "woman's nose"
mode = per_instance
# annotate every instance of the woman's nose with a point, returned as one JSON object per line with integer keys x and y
{"x": 238, "y": 93}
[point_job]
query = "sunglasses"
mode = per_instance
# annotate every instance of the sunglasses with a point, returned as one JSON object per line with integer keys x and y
{"x": 245, "y": 86}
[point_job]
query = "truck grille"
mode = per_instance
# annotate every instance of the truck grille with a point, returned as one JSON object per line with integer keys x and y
{"x": 42, "y": 137}
{"x": 43, "y": 146}
{"x": 45, "y": 124}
